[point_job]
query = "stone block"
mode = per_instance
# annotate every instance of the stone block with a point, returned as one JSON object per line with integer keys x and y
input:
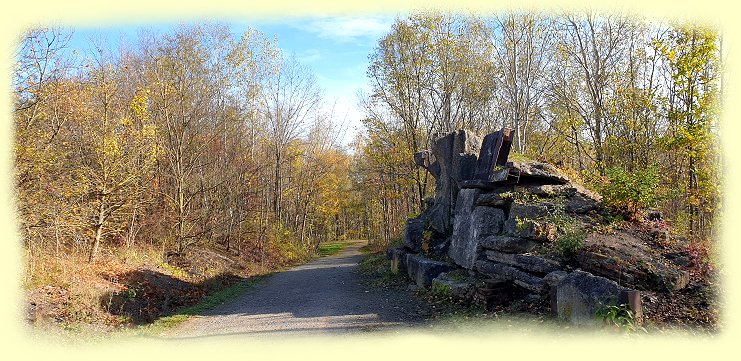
{"x": 533, "y": 264}
{"x": 509, "y": 244}
{"x": 398, "y": 259}
{"x": 538, "y": 173}
{"x": 414, "y": 234}
{"x": 470, "y": 227}
{"x": 580, "y": 295}
{"x": 459, "y": 289}
{"x": 521, "y": 278}
{"x": 422, "y": 270}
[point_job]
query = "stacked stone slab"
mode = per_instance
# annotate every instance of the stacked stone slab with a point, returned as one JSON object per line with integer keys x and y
{"x": 491, "y": 216}
{"x": 495, "y": 233}
{"x": 451, "y": 160}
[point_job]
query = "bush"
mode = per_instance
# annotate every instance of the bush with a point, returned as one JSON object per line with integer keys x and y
{"x": 632, "y": 192}
{"x": 569, "y": 242}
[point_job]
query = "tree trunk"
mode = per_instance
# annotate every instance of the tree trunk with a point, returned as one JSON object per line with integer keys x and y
{"x": 98, "y": 232}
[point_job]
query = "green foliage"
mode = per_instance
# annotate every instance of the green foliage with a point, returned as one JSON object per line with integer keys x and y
{"x": 426, "y": 238}
{"x": 372, "y": 263}
{"x": 618, "y": 316}
{"x": 571, "y": 235}
{"x": 521, "y": 197}
{"x": 630, "y": 192}
{"x": 569, "y": 242}
{"x": 440, "y": 290}
{"x": 283, "y": 246}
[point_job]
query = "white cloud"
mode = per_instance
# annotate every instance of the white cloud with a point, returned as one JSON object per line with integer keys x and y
{"x": 350, "y": 29}
{"x": 309, "y": 55}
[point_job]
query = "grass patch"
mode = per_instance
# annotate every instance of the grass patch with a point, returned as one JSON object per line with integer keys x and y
{"x": 330, "y": 249}
{"x": 378, "y": 268}
{"x": 372, "y": 263}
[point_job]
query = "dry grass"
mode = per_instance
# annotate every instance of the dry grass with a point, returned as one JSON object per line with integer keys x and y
{"x": 68, "y": 291}
{"x": 66, "y": 288}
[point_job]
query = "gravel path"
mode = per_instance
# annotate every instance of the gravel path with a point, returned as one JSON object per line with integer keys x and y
{"x": 326, "y": 295}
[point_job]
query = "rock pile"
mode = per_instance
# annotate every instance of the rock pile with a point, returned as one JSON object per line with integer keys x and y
{"x": 508, "y": 223}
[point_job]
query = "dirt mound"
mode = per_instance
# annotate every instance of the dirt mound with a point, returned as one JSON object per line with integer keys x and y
{"x": 116, "y": 292}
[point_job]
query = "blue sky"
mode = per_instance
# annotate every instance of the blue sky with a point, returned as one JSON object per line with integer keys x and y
{"x": 335, "y": 48}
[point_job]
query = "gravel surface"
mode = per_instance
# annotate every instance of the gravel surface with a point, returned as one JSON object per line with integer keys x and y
{"x": 326, "y": 295}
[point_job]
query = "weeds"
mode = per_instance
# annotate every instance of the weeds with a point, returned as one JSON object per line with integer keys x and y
{"x": 569, "y": 242}
{"x": 378, "y": 267}
{"x": 618, "y": 316}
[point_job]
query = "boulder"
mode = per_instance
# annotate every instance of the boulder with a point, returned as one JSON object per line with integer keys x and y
{"x": 521, "y": 278}
{"x": 438, "y": 217}
{"x": 552, "y": 279}
{"x": 398, "y": 259}
{"x": 493, "y": 198}
{"x": 422, "y": 270}
{"x": 645, "y": 274}
{"x": 493, "y": 156}
{"x": 454, "y": 160}
{"x": 423, "y": 159}
{"x": 623, "y": 256}
{"x": 526, "y": 220}
{"x": 569, "y": 189}
{"x": 533, "y": 264}
{"x": 580, "y": 295}
{"x": 509, "y": 244}
{"x": 462, "y": 223}
{"x": 414, "y": 234}
{"x": 460, "y": 289}
{"x": 465, "y": 149}
{"x": 470, "y": 226}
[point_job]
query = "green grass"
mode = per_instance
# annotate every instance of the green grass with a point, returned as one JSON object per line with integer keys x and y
{"x": 329, "y": 249}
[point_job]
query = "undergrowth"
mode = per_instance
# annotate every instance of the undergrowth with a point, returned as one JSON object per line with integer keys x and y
{"x": 378, "y": 268}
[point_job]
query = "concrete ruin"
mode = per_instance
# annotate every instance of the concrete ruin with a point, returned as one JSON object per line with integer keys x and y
{"x": 500, "y": 221}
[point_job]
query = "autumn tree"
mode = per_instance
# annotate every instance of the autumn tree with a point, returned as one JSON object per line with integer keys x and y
{"x": 523, "y": 50}
{"x": 116, "y": 154}
{"x": 290, "y": 99}
{"x": 690, "y": 55}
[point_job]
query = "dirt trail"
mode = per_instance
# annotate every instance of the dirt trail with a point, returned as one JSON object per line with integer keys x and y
{"x": 326, "y": 295}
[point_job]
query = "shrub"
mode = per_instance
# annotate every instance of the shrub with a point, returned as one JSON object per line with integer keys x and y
{"x": 630, "y": 192}
{"x": 569, "y": 242}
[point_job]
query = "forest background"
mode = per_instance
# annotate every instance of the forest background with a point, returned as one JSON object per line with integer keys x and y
{"x": 148, "y": 177}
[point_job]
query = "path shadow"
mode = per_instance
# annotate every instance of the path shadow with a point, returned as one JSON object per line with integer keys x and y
{"x": 150, "y": 295}
{"x": 329, "y": 289}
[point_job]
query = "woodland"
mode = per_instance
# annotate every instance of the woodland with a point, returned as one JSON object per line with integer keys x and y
{"x": 199, "y": 138}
